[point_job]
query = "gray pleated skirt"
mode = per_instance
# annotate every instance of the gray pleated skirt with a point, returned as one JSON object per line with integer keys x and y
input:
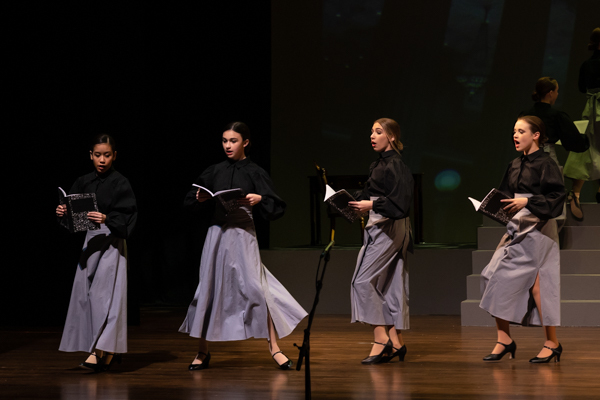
{"x": 97, "y": 316}
{"x": 236, "y": 292}
{"x": 379, "y": 290}
{"x": 530, "y": 247}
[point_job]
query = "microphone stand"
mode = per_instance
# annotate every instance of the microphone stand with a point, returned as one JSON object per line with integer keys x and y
{"x": 305, "y": 348}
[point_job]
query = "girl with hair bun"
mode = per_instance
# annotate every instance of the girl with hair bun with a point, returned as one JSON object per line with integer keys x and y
{"x": 97, "y": 317}
{"x": 521, "y": 283}
{"x": 237, "y": 297}
{"x": 558, "y": 124}
{"x": 379, "y": 291}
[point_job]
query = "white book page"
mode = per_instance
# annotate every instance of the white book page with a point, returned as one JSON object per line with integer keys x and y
{"x": 328, "y": 192}
{"x": 225, "y": 191}
{"x": 476, "y": 203}
{"x": 203, "y": 188}
{"x": 63, "y": 192}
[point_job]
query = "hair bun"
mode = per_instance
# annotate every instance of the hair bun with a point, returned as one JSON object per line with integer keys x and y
{"x": 535, "y": 96}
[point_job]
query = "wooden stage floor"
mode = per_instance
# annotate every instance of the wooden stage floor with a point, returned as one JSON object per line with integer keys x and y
{"x": 443, "y": 362}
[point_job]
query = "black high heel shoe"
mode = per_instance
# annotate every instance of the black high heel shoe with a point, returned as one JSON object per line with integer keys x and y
{"x": 97, "y": 367}
{"x": 205, "y": 362}
{"x": 508, "y": 348}
{"x": 286, "y": 365}
{"x": 400, "y": 353}
{"x": 116, "y": 358}
{"x": 378, "y": 358}
{"x": 555, "y": 353}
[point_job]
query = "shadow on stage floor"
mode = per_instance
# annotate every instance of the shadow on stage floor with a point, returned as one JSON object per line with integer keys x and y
{"x": 443, "y": 362}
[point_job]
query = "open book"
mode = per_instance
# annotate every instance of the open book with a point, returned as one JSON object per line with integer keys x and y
{"x": 493, "y": 207}
{"x": 78, "y": 206}
{"x": 228, "y": 198}
{"x": 339, "y": 201}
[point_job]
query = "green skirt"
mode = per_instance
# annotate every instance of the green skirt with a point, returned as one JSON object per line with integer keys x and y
{"x": 586, "y": 166}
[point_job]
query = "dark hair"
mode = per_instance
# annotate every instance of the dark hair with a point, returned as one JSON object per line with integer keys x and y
{"x": 594, "y": 39}
{"x": 392, "y": 130}
{"x": 240, "y": 128}
{"x": 536, "y": 125}
{"x": 543, "y": 86}
{"x": 103, "y": 138}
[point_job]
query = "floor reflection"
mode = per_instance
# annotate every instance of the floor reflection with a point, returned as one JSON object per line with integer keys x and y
{"x": 94, "y": 387}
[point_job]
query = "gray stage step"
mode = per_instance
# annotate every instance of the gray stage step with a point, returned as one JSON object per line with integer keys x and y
{"x": 573, "y": 313}
{"x": 571, "y": 261}
{"x": 591, "y": 215}
{"x": 571, "y": 237}
{"x": 572, "y": 287}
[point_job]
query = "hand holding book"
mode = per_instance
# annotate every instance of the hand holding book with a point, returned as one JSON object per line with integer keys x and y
{"x": 362, "y": 206}
{"x": 515, "y": 205}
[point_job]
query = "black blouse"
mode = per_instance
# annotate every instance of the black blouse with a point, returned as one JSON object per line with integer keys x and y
{"x": 559, "y": 127}
{"x": 115, "y": 199}
{"x": 243, "y": 174}
{"x": 589, "y": 73}
{"x": 539, "y": 175}
{"x": 391, "y": 181}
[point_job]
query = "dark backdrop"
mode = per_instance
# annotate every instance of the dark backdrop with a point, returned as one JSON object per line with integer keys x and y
{"x": 308, "y": 77}
{"x": 163, "y": 80}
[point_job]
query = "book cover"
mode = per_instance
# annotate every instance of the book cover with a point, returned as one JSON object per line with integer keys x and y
{"x": 339, "y": 201}
{"x": 492, "y": 207}
{"x": 78, "y": 206}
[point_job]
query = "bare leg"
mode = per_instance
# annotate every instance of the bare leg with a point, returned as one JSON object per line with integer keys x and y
{"x": 396, "y": 337}
{"x": 503, "y": 329}
{"x": 202, "y": 351}
{"x": 577, "y": 185}
{"x": 550, "y": 331}
{"x": 381, "y": 336}
{"x": 280, "y": 358}
{"x": 92, "y": 359}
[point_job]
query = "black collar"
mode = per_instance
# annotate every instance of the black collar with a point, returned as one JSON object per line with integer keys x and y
{"x": 532, "y": 156}
{"x": 238, "y": 164}
{"x": 387, "y": 154}
{"x": 104, "y": 176}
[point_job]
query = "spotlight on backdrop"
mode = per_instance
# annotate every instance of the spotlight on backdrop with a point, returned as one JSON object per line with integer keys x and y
{"x": 447, "y": 180}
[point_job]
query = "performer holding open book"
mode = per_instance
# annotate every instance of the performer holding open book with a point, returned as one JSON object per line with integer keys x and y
{"x": 97, "y": 317}
{"x": 521, "y": 284}
{"x": 237, "y": 297}
{"x": 380, "y": 284}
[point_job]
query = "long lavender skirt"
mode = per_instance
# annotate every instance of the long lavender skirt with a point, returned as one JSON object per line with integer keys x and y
{"x": 236, "y": 291}
{"x": 379, "y": 291}
{"x": 530, "y": 247}
{"x": 97, "y": 316}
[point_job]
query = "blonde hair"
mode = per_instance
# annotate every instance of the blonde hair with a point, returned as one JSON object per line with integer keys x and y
{"x": 392, "y": 131}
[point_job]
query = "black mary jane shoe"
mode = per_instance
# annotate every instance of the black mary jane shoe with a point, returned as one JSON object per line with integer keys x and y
{"x": 555, "y": 355}
{"x": 400, "y": 353}
{"x": 205, "y": 362}
{"x": 98, "y": 366}
{"x": 286, "y": 365}
{"x": 379, "y": 358}
{"x": 508, "y": 348}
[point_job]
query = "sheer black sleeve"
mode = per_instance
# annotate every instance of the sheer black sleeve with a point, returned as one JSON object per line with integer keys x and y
{"x": 549, "y": 204}
{"x": 271, "y": 206}
{"x": 399, "y": 192}
{"x": 569, "y": 135}
{"x": 206, "y": 180}
{"x": 122, "y": 216}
